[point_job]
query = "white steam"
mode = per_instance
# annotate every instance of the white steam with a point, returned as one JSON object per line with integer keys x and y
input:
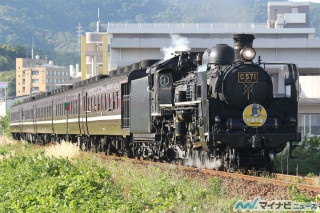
{"x": 202, "y": 162}
{"x": 178, "y": 43}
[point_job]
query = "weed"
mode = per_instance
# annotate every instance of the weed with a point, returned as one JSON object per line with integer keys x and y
{"x": 39, "y": 180}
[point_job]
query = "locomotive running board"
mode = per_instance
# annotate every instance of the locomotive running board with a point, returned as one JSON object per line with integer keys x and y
{"x": 143, "y": 137}
{"x": 181, "y": 105}
{"x": 184, "y": 103}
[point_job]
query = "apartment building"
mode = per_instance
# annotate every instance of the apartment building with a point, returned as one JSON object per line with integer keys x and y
{"x": 38, "y": 75}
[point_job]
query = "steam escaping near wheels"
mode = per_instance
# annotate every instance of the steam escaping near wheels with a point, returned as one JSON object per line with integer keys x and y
{"x": 201, "y": 160}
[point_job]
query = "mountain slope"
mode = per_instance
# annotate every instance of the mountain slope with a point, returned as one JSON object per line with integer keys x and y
{"x": 52, "y": 24}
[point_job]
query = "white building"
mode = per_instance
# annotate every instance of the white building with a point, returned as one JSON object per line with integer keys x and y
{"x": 3, "y": 98}
{"x": 286, "y": 37}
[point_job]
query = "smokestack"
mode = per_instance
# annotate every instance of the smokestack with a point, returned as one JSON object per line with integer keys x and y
{"x": 241, "y": 41}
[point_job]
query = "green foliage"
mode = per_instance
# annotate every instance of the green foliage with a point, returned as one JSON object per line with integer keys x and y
{"x": 10, "y": 77}
{"x": 31, "y": 182}
{"x": 8, "y": 55}
{"x": 39, "y": 184}
{"x": 52, "y": 24}
{"x": 298, "y": 196}
{"x": 5, "y": 124}
{"x": 308, "y": 154}
{"x": 155, "y": 189}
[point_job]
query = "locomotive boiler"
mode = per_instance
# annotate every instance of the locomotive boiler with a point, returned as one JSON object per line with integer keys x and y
{"x": 205, "y": 107}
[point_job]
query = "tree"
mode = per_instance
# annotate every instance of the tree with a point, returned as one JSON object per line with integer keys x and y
{"x": 308, "y": 154}
{"x": 5, "y": 124}
{"x": 8, "y": 55}
{"x": 10, "y": 77}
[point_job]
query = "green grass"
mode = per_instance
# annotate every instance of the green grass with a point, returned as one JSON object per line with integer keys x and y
{"x": 31, "y": 180}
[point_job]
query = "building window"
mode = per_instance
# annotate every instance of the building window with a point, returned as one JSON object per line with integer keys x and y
{"x": 115, "y": 100}
{"x": 35, "y": 73}
{"x": 34, "y": 89}
{"x": 309, "y": 124}
{"x": 295, "y": 10}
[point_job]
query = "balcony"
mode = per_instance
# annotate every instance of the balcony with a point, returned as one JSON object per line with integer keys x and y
{"x": 196, "y": 28}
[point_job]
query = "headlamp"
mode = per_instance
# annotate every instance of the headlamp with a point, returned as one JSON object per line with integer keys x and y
{"x": 248, "y": 53}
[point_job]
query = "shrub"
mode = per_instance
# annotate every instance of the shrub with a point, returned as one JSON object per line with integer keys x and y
{"x": 308, "y": 154}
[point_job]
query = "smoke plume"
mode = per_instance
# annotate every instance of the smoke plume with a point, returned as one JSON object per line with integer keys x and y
{"x": 178, "y": 43}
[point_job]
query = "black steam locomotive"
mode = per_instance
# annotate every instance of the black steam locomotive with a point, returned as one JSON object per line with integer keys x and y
{"x": 216, "y": 108}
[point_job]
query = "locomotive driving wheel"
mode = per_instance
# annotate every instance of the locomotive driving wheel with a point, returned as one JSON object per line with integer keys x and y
{"x": 159, "y": 151}
{"x": 203, "y": 156}
{"x": 229, "y": 160}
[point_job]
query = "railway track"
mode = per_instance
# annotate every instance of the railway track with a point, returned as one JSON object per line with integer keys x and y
{"x": 302, "y": 183}
{"x": 298, "y": 179}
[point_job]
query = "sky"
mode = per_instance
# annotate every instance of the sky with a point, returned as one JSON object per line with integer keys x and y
{"x": 315, "y": 1}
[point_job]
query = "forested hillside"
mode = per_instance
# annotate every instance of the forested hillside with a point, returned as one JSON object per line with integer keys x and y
{"x": 51, "y": 25}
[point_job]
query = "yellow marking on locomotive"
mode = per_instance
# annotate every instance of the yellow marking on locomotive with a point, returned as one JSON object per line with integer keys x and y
{"x": 254, "y": 115}
{"x": 247, "y": 77}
